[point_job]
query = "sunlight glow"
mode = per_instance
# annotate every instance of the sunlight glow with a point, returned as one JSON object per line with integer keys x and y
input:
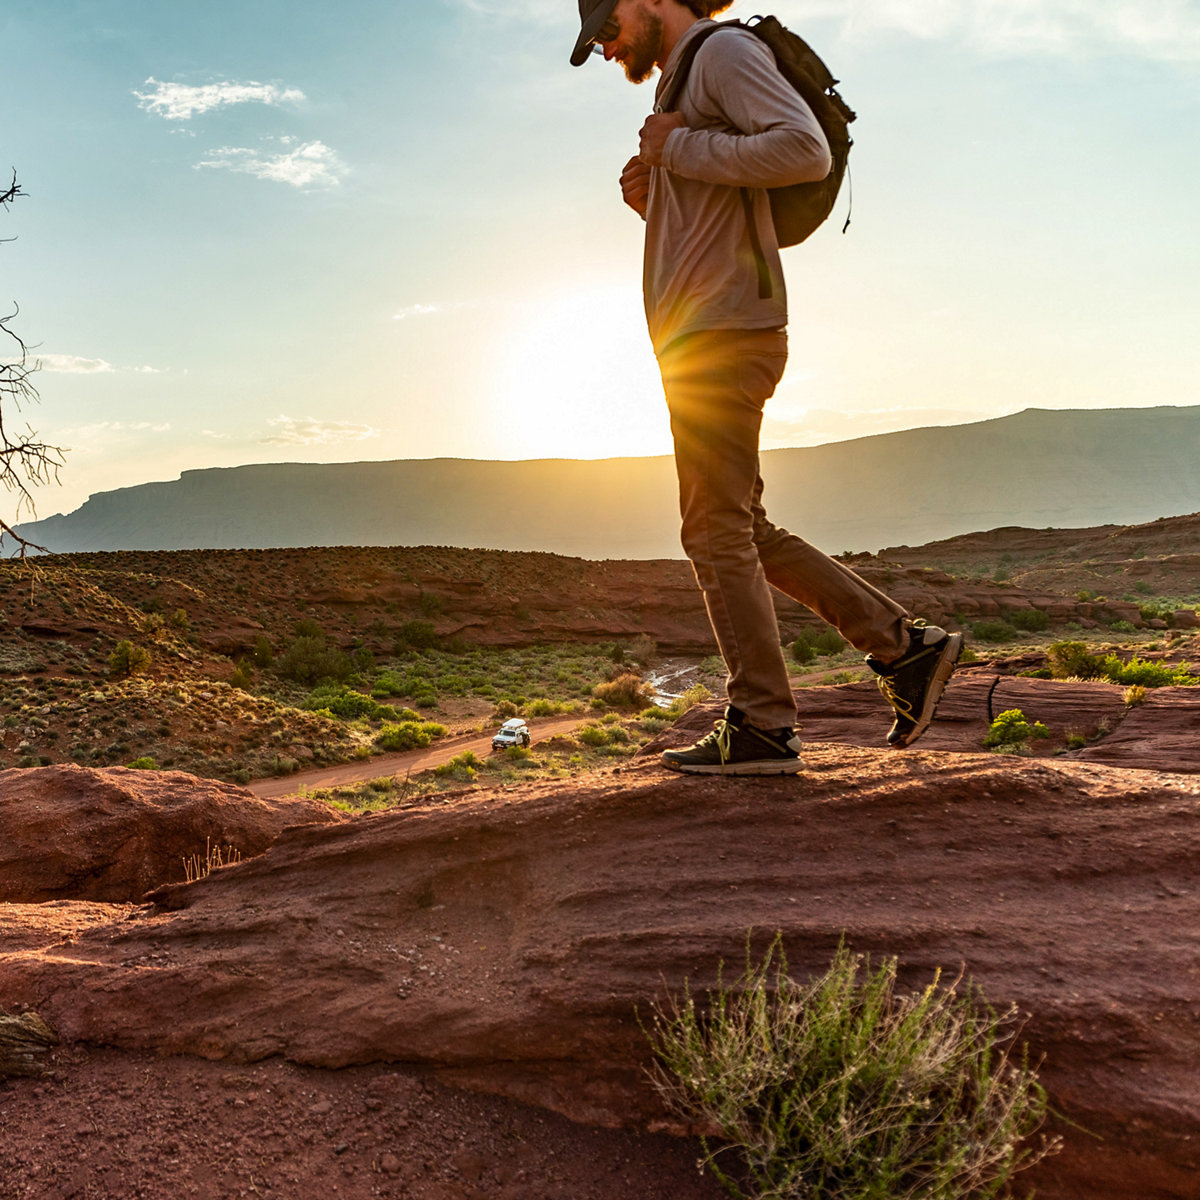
{"x": 578, "y": 379}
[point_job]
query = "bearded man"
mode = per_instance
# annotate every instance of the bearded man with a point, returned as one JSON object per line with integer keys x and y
{"x": 717, "y": 314}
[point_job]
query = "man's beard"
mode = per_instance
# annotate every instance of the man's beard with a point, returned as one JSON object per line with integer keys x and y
{"x": 642, "y": 57}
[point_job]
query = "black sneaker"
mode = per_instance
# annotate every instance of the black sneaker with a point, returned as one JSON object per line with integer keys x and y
{"x": 737, "y": 748}
{"x": 914, "y": 683}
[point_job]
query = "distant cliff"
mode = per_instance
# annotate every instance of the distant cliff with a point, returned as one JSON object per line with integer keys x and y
{"x": 1037, "y": 468}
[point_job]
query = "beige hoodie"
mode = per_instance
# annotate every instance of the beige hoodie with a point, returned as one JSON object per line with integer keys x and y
{"x": 746, "y": 127}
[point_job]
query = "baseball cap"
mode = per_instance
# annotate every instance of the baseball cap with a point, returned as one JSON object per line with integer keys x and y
{"x": 592, "y": 15}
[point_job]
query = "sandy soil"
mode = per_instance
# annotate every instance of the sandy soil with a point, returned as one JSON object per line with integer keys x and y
{"x": 118, "y": 1126}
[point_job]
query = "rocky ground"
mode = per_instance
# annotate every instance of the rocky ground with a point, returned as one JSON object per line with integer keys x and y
{"x": 502, "y": 940}
{"x": 440, "y": 1003}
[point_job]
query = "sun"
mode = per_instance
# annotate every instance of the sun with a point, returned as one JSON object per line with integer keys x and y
{"x": 577, "y": 379}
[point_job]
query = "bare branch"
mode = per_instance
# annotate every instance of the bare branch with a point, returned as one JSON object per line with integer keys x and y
{"x": 25, "y": 462}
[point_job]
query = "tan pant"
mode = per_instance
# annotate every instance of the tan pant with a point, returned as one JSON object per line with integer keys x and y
{"x": 716, "y": 383}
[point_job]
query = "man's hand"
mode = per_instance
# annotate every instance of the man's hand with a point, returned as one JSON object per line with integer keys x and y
{"x": 635, "y": 185}
{"x": 654, "y": 135}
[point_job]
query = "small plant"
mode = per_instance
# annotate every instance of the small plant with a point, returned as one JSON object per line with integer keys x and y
{"x": 1071, "y": 660}
{"x": 626, "y": 691}
{"x": 145, "y": 763}
{"x": 1135, "y": 695}
{"x": 1029, "y": 620}
{"x": 196, "y": 867}
{"x": 993, "y": 631}
{"x": 844, "y": 1090}
{"x": 1010, "y": 732}
{"x": 128, "y": 659}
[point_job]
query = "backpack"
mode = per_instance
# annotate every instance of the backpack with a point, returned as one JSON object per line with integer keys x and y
{"x": 799, "y": 209}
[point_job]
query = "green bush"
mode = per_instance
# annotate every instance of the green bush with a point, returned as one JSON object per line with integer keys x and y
{"x": 1147, "y": 674}
{"x": 1071, "y": 660}
{"x": 1010, "y": 731}
{"x": 626, "y": 691}
{"x": 408, "y": 735}
{"x": 844, "y": 1090}
{"x": 1029, "y": 620}
{"x": 309, "y": 660}
{"x": 345, "y": 702}
{"x": 145, "y": 763}
{"x": 993, "y": 631}
{"x": 262, "y": 654}
{"x": 420, "y": 635}
{"x": 128, "y": 659}
{"x": 462, "y": 766}
{"x": 809, "y": 644}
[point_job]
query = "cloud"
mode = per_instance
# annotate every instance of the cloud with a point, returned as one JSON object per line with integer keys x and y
{"x": 310, "y": 432}
{"x": 181, "y": 101}
{"x": 1165, "y": 30}
{"x": 416, "y": 310}
{"x": 72, "y": 364}
{"x": 307, "y": 164}
{"x": 97, "y": 430}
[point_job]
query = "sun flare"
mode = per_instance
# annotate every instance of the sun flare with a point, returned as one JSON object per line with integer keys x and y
{"x": 578, "y": 380}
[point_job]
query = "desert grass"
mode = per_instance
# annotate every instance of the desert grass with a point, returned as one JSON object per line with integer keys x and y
{"x": 845, "y": 1089}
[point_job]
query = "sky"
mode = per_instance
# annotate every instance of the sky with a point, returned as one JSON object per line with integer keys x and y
{"x": 289, "y": 231}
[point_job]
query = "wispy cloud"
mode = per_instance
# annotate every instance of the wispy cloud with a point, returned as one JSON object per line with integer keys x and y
{"x": 97, "y": 430}
{"x": 74, "y": 364}
{"x": 306, "y": 431}
{"x": 302, "y": 164}
{"x": 1165, "y": 30}
{"x": 417, "y": 310}
{"x": 182, "y": 101}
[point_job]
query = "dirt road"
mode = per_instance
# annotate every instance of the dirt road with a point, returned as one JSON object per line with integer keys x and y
{"x": 405, "y": 762}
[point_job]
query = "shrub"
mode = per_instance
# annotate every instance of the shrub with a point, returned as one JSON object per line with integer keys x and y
{"x": 1147, "y": 674}
{"x": 688, "y": 700}
{"x": 626, "y": 691}
{"x": 844, "y": 1090}
{"x": 241, "y": 677}
{"x": 128, "y": 659}
{"x": 408, "y": 735}
{"x": 1123, "y": 627}
{"x": 1135, "y": 695}
{"x": 1010, "y": 731}
{"x": 1071, "y": 660}
{"x": 309, "y": 660}
{"x": 262, "y": 654}
{"x": 592, "y": 735}
{"x": 420, "y": 635}
{"x": 1029, "y": 620}
{"x": 993, "y": 631}
{"x": 803, "y": 652}
{"x": 145, "y": 763}
{"x": 344, "y": 702}
{"x": 462, "y": 766}
{"x": 808, "y": 645}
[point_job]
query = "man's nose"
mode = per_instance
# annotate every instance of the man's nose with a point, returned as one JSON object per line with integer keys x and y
{"x": 609, "y": 52}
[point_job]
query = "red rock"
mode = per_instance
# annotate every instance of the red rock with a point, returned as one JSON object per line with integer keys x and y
{"x": 85, "y": 834}
{"x": 508, "y": 938}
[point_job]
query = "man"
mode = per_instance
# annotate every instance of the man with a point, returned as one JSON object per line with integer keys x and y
{"x": 720, "y": 339}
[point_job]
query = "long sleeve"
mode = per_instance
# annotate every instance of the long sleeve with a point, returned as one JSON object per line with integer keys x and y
{"x": 754, "y": 130}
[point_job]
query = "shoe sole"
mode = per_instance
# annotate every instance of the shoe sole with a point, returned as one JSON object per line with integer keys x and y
{"x": 792, "y": 766}
{"x": 941, "y": 676}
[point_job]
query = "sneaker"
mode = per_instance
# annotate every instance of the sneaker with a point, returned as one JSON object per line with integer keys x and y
{"x": 737, "y": 748}
{"x": 914, "y": 683}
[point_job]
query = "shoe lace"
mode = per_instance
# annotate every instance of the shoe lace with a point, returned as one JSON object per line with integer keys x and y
{"x": 722, "y": 732}
{"x": 899, "y": 703}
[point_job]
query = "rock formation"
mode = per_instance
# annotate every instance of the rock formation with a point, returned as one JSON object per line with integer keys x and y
{"x": 512, "y": 938}
{"x": 69, "y": 832}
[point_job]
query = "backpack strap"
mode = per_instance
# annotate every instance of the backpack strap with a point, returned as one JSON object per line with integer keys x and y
{"x": 667, "y": 103}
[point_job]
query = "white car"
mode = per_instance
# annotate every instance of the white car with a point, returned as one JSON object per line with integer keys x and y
{"x": 512, "y": 733}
